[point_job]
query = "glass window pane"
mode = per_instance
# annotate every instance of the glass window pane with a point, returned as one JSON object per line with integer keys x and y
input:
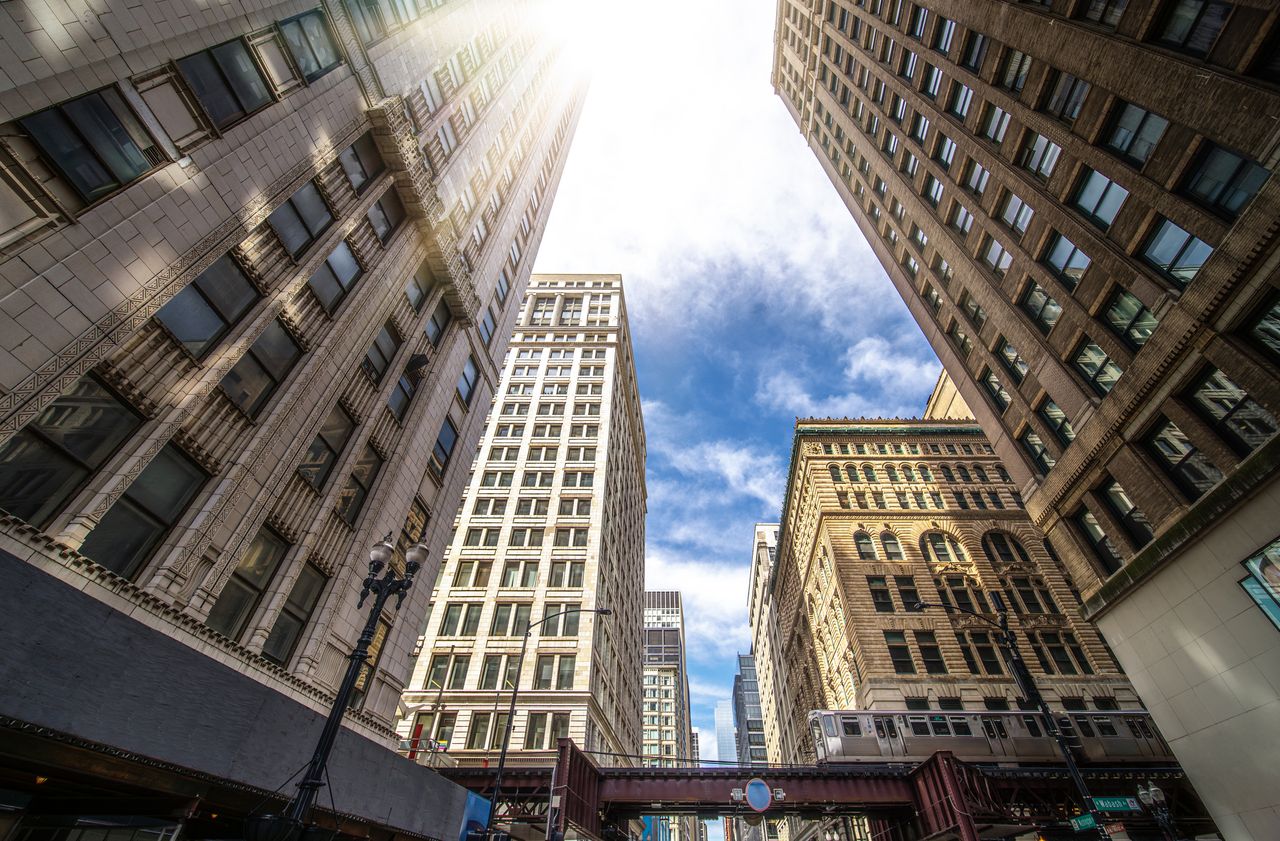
{"x": 277, "y": 350}
{"x": 192, "y": 321}
{"x": 288, "y": 225}
{"x": 296, "y": 39}
{"x": 36, "y": 479}
{"x": 232, "y": 609}
{"x": 321, "y": 41}
{"x": 106, "y": 131}
{"x": 51, "y": 130}
{"x": 207, "y": 84}
{"x": 167, "y": 485}
{"x": 226, "y": 286}
{"x": 311, "y": 207}
{"x": 89, "y": 422}
{"x": 246, "y": 82}
{"x": 284, "y": 635}
{"x": 123, "y": 539}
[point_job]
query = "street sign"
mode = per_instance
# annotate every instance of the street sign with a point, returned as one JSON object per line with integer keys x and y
{"x": 759, "y": 795}
{"x": 1114, "y": 828}
{"x": 1082, "y": 822}
{"x": 1117, "y": 804}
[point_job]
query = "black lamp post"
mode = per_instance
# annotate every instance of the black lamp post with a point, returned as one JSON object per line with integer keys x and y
{"x": 511, "y": 711}
{"x": 292, "y": 822}
{"x": 1153, "y": 798}
{"x": 1027, "y": 686}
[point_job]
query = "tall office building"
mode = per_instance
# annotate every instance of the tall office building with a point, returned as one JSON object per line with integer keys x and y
{"x": 1074, "y": 199}
{"x": 726, "y": 735}
{"x": 882, "y": 514}
{"x": 748, "y": 720}
{"x": 695, "y": 748}
{"x": 259, "y": 266}
{"x": 552, "y": 522}
{"x": 668, "y": 732}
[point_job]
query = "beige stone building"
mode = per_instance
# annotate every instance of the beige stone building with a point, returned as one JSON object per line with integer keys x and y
{"x": 1075, "y": 199}
{"x": 882, "y": 514}
{"x": 667, "y": 734}
{"x": 258, "y": 269}
{"x": 552, "y": 521}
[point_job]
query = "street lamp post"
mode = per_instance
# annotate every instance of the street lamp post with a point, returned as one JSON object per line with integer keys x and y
{"x": 291, "y": 823}
{"x": 511, "y": 711}
{"x": 1027, "y": 686}
{"x": 1153, "y": 798}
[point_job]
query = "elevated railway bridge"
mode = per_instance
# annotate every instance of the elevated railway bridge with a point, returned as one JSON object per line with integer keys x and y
{"x": 938, "y": 798}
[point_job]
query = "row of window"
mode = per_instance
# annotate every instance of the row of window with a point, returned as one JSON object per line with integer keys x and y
{"x": 896, "y": 448}
{"x": 924, "y": 500}
{"x": 510, "y": 619}
{"x": 1056, "y": 652}
{"x": 907, "y": 473}
{"x": 547, "y": 430}
{"x": 498, "y": 671}
{"x": 488, "y": 731}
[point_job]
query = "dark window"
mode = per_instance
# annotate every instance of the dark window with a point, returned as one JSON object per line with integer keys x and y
{"x": 1260, "y": 583}
{"x": 1232, "y": 413}
{"x": 1041, "y": 458}
{"x": 1105, "y": 12}
{"x": 1264, "y": 330}
{"x": 1011, "y": 360}
{"x": 880, "y": 597}
{"x": 49, "y": 459}
{"x": 975, "y": 50}
{"x": 1066, "y": 95}
{"x": 487, "y": 325}
{"x": 401, "y": 396}
{"x": 1098, "y": 369}
{"x": 899, "y": 653}
{"x": 1134, "y": 132}
{"x": 136, "y": 524}
{"x": 443, "y": 449}
{"x": 372, "y": 18}
{"x": 1066, "y": 260}
{"x": 361, "y": 161}
{"x": 334, "y": 278}
{"x": 243, "y": 591}
{"x": 995, "y": 389}
{"x": 866, "y": 548}
{"x": 327, "y": 447}
{"x": 386, "y": 214}
{"x": 930, "y": 653}
{"x": 206, "y": 309}
{"x": 467, "y": 381}
{"x": 1190, "y": 469}
{"x": 262, "y": 369}
{"x": 1103, "y": 548}
{"x": 943, "y": 34}
{"x": 1193, "y": 25}
{"x": 438, "y": 323}
{"x": 1129, "y": 319}
{"x": 1175, "y": 253}
{"x": 295, "y": 615}
{"x": 311, "y": 44}
{"x": 378, "y": 359}
{"x": 1057, "y": 421}
{"x": 1037, "y": 303}
{"x": 359, "y": 484}
{"x": 418, "y": 287}
{"x": 94, "y": 142}
{"x": 1126, "y": 511}
{"x": 1014, "y": 70}
{"x": 1039, "y": 155}
{"x": 226, "y": 81}
{"x": 1224, "y": 180}
{"x": 302, "y": 218}
{"x": 907, "y": 591}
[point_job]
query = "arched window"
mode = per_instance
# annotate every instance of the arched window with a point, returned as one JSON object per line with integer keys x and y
{"x": 1002, "y": 473}
{"x": 1003, "y": 549}
{"x": 891, "y": 472}
{"x": 946, "y": 473}
{"x": 852, "y": 472}
{"x": 964, "y": 473}
{"x": 908, "y": 473}
{"x": 866, "y": 549}
{"x": 868, "y": 473}
{"x": 925, "y": 473}
{"x": 836, "y": 476}
{"x": 980, "y": 473}
{"x": 942, "y": 548}
{"x": 892, "y": 548}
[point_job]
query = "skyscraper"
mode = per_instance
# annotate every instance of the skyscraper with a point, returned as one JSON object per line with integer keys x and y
{"x": 668, "y": 734}
{"x": 748, "y": 720}
{"x": 1074, "y": 199}
{"x": 260, "y": 265}
{"x": 552, "y": 522}
{"x": 726, "y": 735}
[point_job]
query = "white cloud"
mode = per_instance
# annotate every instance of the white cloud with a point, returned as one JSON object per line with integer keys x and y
{"x": 715, "y": 603}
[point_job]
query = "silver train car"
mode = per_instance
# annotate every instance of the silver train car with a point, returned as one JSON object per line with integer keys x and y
{"x": 993, "y": 738}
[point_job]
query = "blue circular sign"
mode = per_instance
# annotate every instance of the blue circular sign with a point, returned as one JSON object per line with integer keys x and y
{"x": 759, "y": 795}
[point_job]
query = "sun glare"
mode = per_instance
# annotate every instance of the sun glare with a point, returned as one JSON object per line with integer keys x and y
{"x": 589, "y": 31}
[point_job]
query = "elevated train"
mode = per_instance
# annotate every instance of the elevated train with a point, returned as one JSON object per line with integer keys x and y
{"x": 984, "y": 737}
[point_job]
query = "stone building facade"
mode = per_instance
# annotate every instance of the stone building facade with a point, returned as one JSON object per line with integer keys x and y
{"x": 552, "y": 521}
{"x": 258, "y": 271}
{"x": 882, "y": 514}
{"x": 1075, "y": 200}
{"x": 667, "y": 737}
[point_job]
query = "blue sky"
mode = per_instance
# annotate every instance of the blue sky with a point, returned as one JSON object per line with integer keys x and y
{"x": 753, "y": 298}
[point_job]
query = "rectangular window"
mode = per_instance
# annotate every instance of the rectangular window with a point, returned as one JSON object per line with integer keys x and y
{"x": 488, "y": 323}
{"x": 976, "y": 177}
{"x": 959, "y": 102}
{"x": 931, "y": 82}
{"x": 440, "y": 319}
{"x": 1098, "y": 369}
{"x": 1057, "y": 421}
{"x": 1014, "y": 70}
{"x": 295, "y": 615}
{"x": 311, "y": 44}
{"x": 243, "y": 591}
{"x": 899, "y": 653}
{"x": 94, "y": 142}
{"x": 1129, "y": 319}
{"x": 943, "y": 34}
{"x": 1040, "y": 307}
{"x": 1016, "y": 213}
{"x": 1034, "y": 446}
{"x": 386, "y": 214}
{"x": 1103, "y": 548}
{"x": 301, "y": 219}
{"x": 467, "y": 380}
{"x": 325, "y": 450}
{"x": 930, "y": 653}
{"x": 443, "y": 449}
{"x": 1099, "y": 198}
{"x": 49, "y": 459}
{"x": 419, "y": 287}
{"x": 140, "y": 519}
{"x": 1193, "y": 25}
{"x": 1262, "y": 583}
{"x": 1066, "y": 95}
{"x": 1011, "y": 360}
{"x": 226, "y": 81}
{"x": 1175, "y": 253}
{"x": 1105, "y": 12}
{"x": 961, "y": 219}
{"x": 1039, "y": 155}
{"x": 960, "y": 339}
{"x": 1134, "y": 132}
{"x": 352, "y": 498}
{"x": 378, "y": 358}
{"x": 1231, "y": 412}
{"x": 995, "y": 255}
{"x": 1190, "y": 469}
{"x": 944, "y": 151}
{"x": 207, "y": 308}
{"x": 1124, "y": 510}
{"x": 1224, "y": 181}
{"x": 1066, "y": 260}
{"x": 975, "y": 50}
{"x": 995, "y": 122}
{"x": 995, "y": 389}
{"x": 880, "y": 598}
{"x": 362, "y": 162}
{"x": 252, "y": 381}
{"x": 335, "y": 277}
{"x": 402, "y": 395}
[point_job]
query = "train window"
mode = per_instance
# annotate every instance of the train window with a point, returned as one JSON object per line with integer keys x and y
{"x": 1146, "y": 729}
{"x": 960, "y": 726}
{"x": 994, "y": 728}
{"x": 938, "y": 723}
{"x": 829, "y": 725}
{"x": 879, "y": 727}
{"x": 850, "y": 727}
{"x": 1104, "y": 725}
{"x": 1082, "y": 724}
{"x": 919, "y": 725}
{"x": 1033, "y": 726}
